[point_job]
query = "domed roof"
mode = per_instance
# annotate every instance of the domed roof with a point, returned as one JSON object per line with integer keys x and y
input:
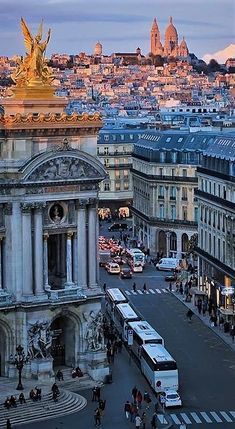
{"x": 98, "y": 45}
{"x": 171, "y": 32}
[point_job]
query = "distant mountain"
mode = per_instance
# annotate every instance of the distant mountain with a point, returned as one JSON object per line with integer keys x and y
{"x": 221, "y": 56}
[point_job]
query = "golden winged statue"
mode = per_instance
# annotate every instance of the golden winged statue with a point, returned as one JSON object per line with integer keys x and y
{"x": 32, "y": 69}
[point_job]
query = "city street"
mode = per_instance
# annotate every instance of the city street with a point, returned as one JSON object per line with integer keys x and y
{"x": 206, "y": 365}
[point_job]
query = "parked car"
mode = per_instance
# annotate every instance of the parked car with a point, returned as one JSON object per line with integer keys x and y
{"x": 113, "y": 268}
{"x": 126, "y": 273}
{"x": 172, "y": 399}
{"x": 118, "y": 227}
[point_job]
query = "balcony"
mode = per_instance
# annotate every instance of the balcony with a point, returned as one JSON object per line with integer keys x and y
{"x": 220, "y": 201}
{"x": 166, "y": 178}
{"x": 161, "y": 197}
{"x": 172, "y": 198}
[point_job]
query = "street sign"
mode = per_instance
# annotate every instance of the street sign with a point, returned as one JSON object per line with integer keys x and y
{"x": 130, "y": 337}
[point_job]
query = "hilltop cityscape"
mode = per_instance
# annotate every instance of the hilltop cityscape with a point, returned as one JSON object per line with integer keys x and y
{"x": 117, "y": 234}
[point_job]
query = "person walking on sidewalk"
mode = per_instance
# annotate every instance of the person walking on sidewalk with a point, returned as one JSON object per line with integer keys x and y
{"x": 97, "y": 417}
{"x": 134, "y": 287}
{"x": 154, "y": 421}
{"x": 189, "y": 315}
{"x": 104, "y": 287}
{"x": 138, "y": 422}
{"x": 139, "y": 399}
{"x": 144, "y": 288}
{"x": 144, "y": 419}
{"x": 134, "y": 393}
{"x": 127, "y": 409}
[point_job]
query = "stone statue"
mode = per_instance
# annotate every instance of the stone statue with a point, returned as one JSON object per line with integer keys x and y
{"x": 32, "y": 69}
{"x": 39, "y": 340}
{"x": 94, "y": 334}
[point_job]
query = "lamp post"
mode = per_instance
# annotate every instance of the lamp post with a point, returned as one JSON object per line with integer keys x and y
{"x": 19, "y": 360}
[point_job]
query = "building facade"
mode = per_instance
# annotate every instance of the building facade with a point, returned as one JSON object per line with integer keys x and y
{"x": 216, "y": 225}
{"x": 50, "y": 299}
{"x": 165, "y": 209}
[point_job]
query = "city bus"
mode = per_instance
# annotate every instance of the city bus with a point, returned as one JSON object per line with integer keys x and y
{"x": 136, "y": 259}
{"x": 124, "y": 313}
{"x": 143, "y": 333}
{"x": 159, "y": 367}
{"x": 114, "y": 297}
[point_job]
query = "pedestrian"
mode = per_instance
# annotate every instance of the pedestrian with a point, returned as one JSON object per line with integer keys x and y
{"x": 204, "y": 307}
{"x": 181, "y": 288}
{"x": 147, "y": 399}
{"x": 8, "y": 426}
{"x": 144, "y": 419}
{"x": 97, "y": 417}
{"x": 59, "y": 375}
{"x": 127, "y": 409}
{"x": 134, "y": 287}
{"x": 199, "y": 305}
{"x": 134, "y": 393}
{"x": 22, "y": 398}
{"x": 170, "y": 287}
{"x": 97, "y": 393}
{"x": 144, "y": 288}
{"x": 154, "y": 421}
{"x": 138, "y": 421}
{"x": 94, "y": 395}
{"x": 102, "y": 404}
{"x": 162, "y": 400}
{"x": 189, "y": 315}
{"x": 104, "y": 287}
{"x": 139, "y": 399}
{"x": 133, "y": 412}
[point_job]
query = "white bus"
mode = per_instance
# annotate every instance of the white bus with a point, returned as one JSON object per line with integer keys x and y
{"x": 143, "y": 333}
{"x": 136, "y": 259}
{"x": 113, "y": 297}
{"x": 159, "y": 368}
{"x": 124, "y": 313}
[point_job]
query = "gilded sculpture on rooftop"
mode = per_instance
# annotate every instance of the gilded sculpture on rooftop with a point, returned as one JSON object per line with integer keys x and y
{"x": 32, "y": 70}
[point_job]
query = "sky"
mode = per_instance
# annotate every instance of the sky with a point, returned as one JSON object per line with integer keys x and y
{"x": 120, "y": 25}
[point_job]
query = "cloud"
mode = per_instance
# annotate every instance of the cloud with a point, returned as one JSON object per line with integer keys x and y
{"x": 221, "y": 56}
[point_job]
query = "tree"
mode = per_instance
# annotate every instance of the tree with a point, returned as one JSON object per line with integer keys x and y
{"x": 213, "y": 66}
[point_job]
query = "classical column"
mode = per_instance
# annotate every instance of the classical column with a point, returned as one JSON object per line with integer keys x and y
{"x": 8, "y": 259}
{"x": 92, "y": 242}
{"x": 1, "y": 286}
{"x": 168, "y": 234}
{"x": 69, "y": 263}
{"x": 38, "y": 250}
{"x": 27, "y": 254}
{"x": 45, "y": 261}
{"x": 58, "y": 254}
{"x": 81, "y": 243}
{"x": 75, "y": 258}
{"x": 17, "y": 248}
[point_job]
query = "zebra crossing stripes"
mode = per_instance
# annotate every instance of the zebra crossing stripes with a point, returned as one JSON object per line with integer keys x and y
{"x": 203, "y": 417}
{"x": 147, "y": 292}
{"x": 206, "y": 417}
{"x": 226, "y": 416}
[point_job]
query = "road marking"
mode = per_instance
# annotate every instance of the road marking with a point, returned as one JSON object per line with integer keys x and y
{"x": 158, "y": 290}
{"x": 140, "y": 292}
{"x": 161, "y": 418}
{"x": 185, "y": 418}
{"x": 232, "y": 413}
{"x": 152, "y": 291}
{"x": 196, "y": 418}
{"x": 164, "y": 290}
{"x": 127, "y": 292}
{"x": 175, "y": 419}
{"x": 206, "y": 417}
{"x": 134, "y": 293}
{"x": 226, "y": 416}
{"x": 216, "y": 417}
{"x": 147, "y": 292}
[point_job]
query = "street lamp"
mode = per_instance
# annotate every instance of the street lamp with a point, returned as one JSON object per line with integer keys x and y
{"x": 19, "y": 360}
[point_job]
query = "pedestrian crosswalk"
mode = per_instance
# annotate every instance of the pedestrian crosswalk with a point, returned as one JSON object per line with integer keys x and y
{"x": 199, "y": 417}
{"x": 148, "y": 292}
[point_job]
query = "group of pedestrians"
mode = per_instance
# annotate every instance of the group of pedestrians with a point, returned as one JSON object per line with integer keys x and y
{"x": 136, "y": 409}
{"x": 34, "y": 395}
{"x": 144, "y": 288}
{"x": 99, "y": 411}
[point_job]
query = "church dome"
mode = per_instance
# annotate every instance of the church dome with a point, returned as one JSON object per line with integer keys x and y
{"x": 171, "y": 32}
{"x": 98, "y": 49}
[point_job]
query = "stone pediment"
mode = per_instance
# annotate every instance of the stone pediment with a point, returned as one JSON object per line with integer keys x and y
{"x": 64, "y": 166}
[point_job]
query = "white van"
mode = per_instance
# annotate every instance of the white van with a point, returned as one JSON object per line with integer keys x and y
{"x": 168, "y": 264}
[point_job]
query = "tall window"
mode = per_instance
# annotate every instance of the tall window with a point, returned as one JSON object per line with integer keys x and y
{"x": 161, "y": 191}
{"x": 184, "y": 193}
{"x": 173, "y": 212}
{"x": 184, "y": 172}
{"x": 106, "y": 150}
{"x": 162, "y": 156}
{"x": 173, "y": 192}
{"x": 106, "y": 162}
{"x": 117, "y": 174}
{"x": 161, "y": 211}
{"x": 107, "y": 186}
{"x": 196, "y": 214}
{"x": 185, "y": 213}
{"x": 117, "y": 186}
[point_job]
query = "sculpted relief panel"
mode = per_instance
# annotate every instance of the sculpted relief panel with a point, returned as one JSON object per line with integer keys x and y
{"x": 63, "y": 168}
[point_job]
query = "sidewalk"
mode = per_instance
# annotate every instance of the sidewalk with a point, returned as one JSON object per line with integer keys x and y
{"x": 226, "y": 337}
